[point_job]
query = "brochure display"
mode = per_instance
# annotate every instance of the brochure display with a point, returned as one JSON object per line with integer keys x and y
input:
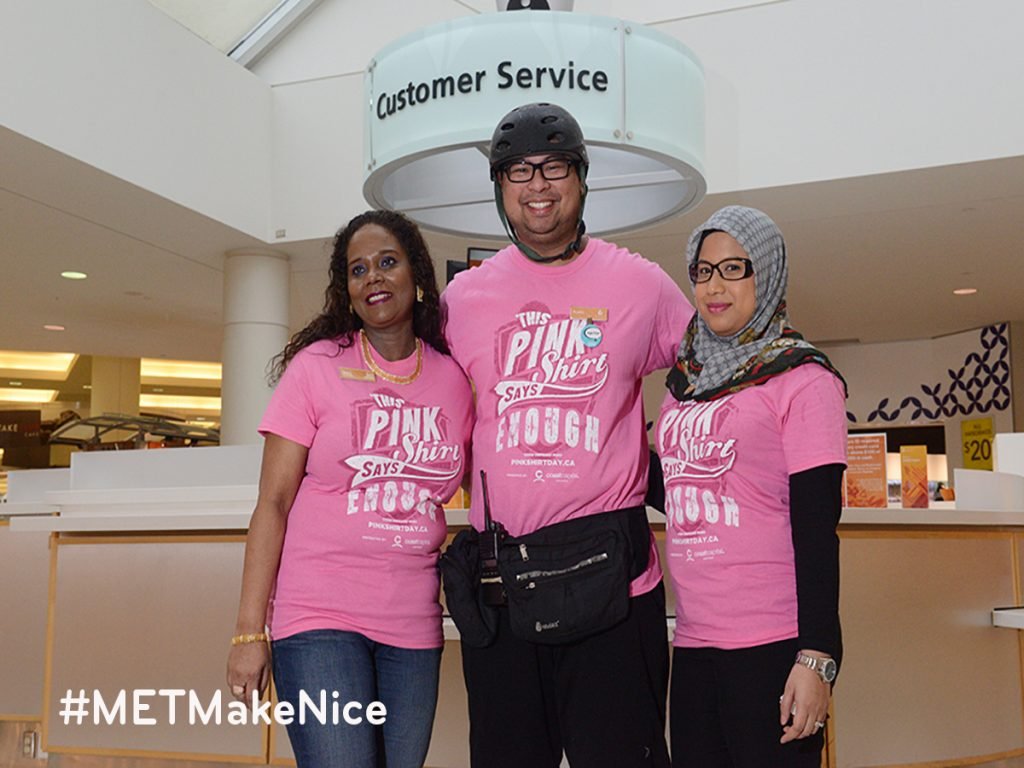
{"x": 914, "y": 474}
{"x": 865, "y": 484}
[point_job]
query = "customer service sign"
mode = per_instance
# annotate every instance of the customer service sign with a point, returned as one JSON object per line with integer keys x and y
{"x": 449, "y": 84}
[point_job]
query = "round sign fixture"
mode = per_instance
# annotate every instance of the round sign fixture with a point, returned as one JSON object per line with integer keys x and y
{"x": 434, "y": 97}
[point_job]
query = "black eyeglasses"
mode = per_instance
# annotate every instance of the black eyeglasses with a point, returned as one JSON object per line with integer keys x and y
{"x": 552, "y": 169}
{"x": 728, "y": 269}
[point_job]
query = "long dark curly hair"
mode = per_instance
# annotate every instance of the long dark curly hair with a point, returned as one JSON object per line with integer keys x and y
{"x": 337, "y": 321}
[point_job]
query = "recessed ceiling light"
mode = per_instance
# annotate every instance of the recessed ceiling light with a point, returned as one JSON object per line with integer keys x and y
{"x": 53, "y": 366}
{"x": 72, "y": 275}
{"x": 170, "y": 372}
{"x": 27, "y": 395}
{"x": 54, "y": 327}
{"x": 965, "y": 291}
{"x": 15, "y": 383}
{"x": 179, "y": 402}
{"x": 87, "y": 386}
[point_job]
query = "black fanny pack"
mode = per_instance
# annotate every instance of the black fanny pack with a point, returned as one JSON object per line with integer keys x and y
{"x": 570, "y": 580}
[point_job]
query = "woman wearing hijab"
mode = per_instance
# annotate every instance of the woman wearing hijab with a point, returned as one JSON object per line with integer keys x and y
{"x": 752, "y": 440}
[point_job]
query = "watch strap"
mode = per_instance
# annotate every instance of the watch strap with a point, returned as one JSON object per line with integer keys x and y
{"x": 821, "y": 666}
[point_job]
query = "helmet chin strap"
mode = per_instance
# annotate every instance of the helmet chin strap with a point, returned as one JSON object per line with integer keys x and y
{"x": 532, "y": 255}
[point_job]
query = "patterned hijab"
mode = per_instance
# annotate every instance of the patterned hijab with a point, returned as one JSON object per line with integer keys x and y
{"x": 711, "y": 366}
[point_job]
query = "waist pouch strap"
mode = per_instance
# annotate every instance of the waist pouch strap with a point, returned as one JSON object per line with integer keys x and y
{"x": 570, "y": 580}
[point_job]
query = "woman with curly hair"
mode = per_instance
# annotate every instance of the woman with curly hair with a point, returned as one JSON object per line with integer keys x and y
{"x": 365, "y": 436}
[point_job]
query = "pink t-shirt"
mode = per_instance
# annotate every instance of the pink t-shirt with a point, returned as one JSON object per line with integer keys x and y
{"x": 361, "y": 545}
{"x": 557, "y": 354}
{"x": 727, "y": 465}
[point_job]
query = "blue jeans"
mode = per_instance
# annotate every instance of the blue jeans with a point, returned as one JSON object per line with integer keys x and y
{"x": 363, "y": 671}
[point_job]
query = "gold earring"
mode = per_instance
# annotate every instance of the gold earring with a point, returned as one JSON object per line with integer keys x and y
{"x": 419, "y": 294}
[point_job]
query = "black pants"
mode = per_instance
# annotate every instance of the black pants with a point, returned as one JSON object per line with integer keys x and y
{"x": 725, "y": 709}
{"x": 601, "y": 699}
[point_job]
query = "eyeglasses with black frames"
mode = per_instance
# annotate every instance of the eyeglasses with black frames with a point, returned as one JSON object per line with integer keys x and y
{"x": 728, "y": 269}
{"x": 552, "y": 169}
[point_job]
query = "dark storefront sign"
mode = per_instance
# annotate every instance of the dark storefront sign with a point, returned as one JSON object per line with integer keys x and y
{"x": 20, "y": 440}
{"x": 19, "y": 428}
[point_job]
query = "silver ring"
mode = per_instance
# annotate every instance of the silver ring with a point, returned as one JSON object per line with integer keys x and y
{"x": 818, "y": 725}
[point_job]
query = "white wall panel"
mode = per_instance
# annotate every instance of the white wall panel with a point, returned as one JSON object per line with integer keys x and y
{"x": 124, "y": 88}
{"x": 318, "y": 150}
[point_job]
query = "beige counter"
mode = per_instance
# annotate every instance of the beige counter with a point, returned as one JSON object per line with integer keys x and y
{"x": 115, "y": 593}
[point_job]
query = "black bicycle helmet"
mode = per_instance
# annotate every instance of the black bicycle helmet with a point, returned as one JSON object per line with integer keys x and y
{"x": 534, "y": 129}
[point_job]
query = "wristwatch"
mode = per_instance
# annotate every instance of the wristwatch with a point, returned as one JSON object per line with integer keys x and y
{"x": 825, "y": 667}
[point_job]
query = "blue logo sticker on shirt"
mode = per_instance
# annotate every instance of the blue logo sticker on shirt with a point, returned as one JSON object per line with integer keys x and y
{"x": 591, "y": 335}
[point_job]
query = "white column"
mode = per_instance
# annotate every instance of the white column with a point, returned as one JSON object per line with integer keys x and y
{"x": 256, "y": 288}
{"x": 115, "y": 386}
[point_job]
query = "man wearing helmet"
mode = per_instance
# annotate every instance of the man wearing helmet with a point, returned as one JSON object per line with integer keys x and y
{"x": 539, "y": 165}
{"x": 557, "y": 331}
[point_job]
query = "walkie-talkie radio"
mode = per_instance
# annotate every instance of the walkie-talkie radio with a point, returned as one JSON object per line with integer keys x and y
{"x": 494, "y": 533}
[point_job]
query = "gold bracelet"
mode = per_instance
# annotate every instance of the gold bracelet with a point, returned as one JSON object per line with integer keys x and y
{"x": 258, "y": 637}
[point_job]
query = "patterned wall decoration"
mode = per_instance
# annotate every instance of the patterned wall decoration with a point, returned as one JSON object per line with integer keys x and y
{"x": 980, "y": 385}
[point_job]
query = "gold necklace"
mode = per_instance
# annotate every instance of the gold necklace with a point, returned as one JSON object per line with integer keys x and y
{"x": 378, "y": 371}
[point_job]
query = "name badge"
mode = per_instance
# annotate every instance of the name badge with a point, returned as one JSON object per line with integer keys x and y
{"x": 593, "y": 314}
{"x": 356, "y": 374}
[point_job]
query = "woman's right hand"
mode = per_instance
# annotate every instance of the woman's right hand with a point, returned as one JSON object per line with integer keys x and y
{"x": 248, "y": 670}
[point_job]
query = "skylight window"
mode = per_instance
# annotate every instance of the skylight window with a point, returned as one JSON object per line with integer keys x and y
{"x": 227, "y": 24}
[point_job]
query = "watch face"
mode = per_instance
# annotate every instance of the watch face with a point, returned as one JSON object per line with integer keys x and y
{"x": 828, "y": 670}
